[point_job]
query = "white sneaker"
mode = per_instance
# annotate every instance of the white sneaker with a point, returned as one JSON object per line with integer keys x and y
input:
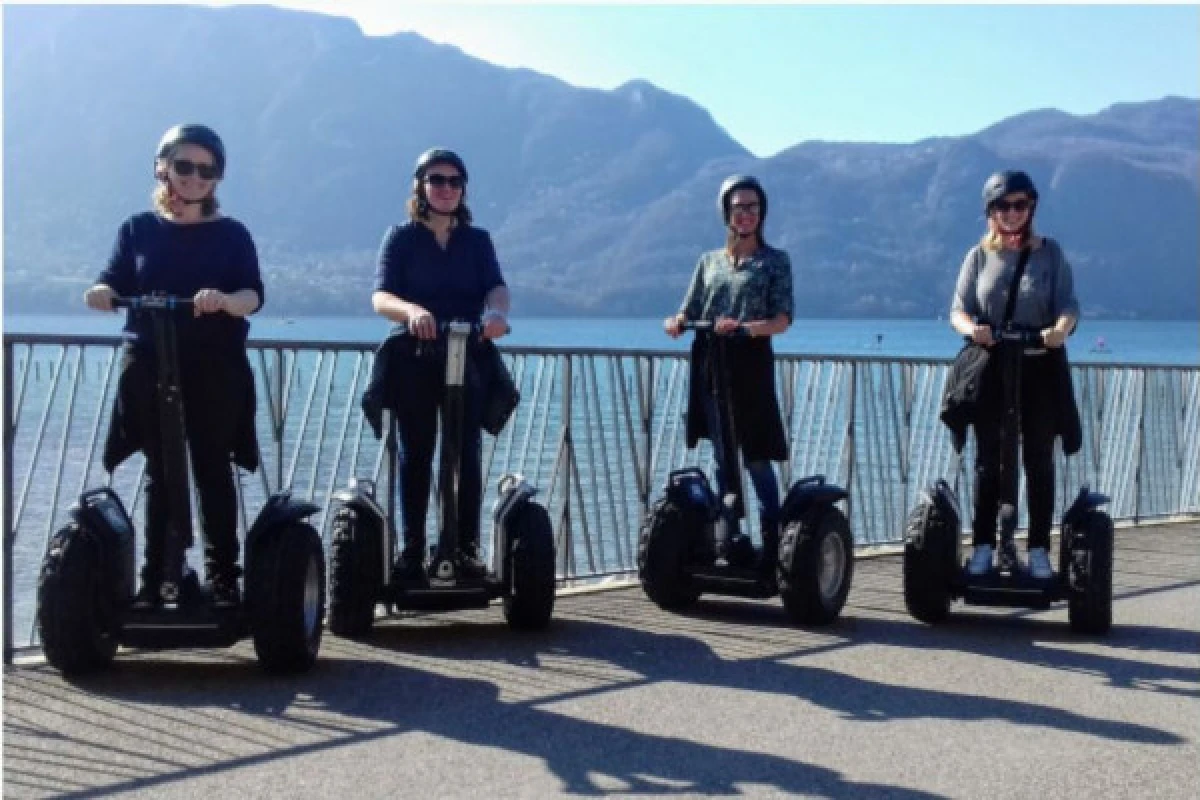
{"x": 1039, "y": 564}
{"x": 981, "y": 560}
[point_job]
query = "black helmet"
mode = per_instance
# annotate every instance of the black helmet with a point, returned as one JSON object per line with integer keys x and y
{"x": 1005, "y": 183}
{"x": 438, "y": 155}
{"x": 199, "y": 135}
{"x": 731, "y": 185}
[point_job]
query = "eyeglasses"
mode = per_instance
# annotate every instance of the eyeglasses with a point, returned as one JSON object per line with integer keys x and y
{"x": 745, "y": 208}
{"x": 439, "y": 181}
{"x": 183, "y": 168}
{"x": 1016, "y": 205}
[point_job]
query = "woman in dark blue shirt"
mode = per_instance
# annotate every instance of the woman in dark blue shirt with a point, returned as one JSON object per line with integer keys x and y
{"x": 186, "y": 248}
{"x": 436, "y": 268}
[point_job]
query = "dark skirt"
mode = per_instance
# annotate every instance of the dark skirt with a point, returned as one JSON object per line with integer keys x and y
{"x": 750, "y": 364}
{"x": 218, "y": 394}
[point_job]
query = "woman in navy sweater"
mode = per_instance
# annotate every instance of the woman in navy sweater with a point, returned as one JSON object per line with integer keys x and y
{"x": 187, "y": 248}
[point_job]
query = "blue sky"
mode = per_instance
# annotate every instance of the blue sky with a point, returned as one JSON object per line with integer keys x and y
{"x": 777, "y": 75}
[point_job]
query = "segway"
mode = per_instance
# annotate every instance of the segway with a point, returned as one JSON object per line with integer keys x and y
{"x": 935, "y": 573}
{"x": 364, "y": 549}
{"x": 87, "y": 578}
{"x": 691, "y": 541}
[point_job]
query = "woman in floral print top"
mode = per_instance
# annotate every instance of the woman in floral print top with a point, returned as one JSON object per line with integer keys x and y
{"x": 746, "y": 284}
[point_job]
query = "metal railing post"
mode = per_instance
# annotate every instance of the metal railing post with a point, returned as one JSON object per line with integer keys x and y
{"x": 568, "y": 458}
{"x": 646, "y": 404}
{"x": 280, "y": 421}
{"x": 1141, "y": 452}
{"x": 10, "y": 535}
{"x": 850, "y": 454}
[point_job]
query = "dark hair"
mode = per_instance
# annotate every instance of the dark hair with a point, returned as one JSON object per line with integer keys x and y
{"x": 418, "y": 205}
{"x": 725, "y": 196}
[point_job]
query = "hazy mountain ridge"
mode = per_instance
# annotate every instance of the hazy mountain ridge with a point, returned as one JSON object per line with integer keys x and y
{"x": 599, "y": 201}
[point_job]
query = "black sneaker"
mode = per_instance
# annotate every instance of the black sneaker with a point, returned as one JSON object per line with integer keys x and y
{"x": 149, "y": 597}
{"x": 470, "y": 564}
{"x": 409, "y": 569}
{"x": 225, "y": 593}
{"x": 740, "y": 552}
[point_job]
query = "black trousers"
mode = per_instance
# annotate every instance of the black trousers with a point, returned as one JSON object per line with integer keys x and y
{"x": 417, "y": 414}
{"x": 995, "y": 466}
{"x": 212, "y": 390}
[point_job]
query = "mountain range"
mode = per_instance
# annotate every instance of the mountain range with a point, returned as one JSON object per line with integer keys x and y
{"x": 599, "y": 201}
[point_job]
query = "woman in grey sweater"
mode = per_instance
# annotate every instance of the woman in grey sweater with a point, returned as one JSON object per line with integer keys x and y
{"x": 1045, "y": 302}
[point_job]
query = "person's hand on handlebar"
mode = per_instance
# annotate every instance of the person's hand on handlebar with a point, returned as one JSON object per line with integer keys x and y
{"x": 982, "y": 334}
{"x": 208, "y": 301}
{"x": 422, "y": 324}
{"x": 1054, "y": 336}
{"x": 726, "y": 325}
{"x": 100, "y": 298}
{"x": 495, "y": 324}
{"x": 674, "y": 326}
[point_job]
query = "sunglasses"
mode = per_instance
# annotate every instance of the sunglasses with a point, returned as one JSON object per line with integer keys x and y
{"x": 183, "y": 168}
{"x": 745, "y": 208}
{"x": 1016, "y": 205}
{"x": 441, "y": 181}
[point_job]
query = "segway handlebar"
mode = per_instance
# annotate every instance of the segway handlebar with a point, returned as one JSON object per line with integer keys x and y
{"x": 475, "y": 329}
{"x": 152, "y": 302}
{"x": 708, "y": 326}
{"x": 1022, "y": 337}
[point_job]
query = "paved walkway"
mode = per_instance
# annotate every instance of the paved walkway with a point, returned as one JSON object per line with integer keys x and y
{"x": 619, "y": 698}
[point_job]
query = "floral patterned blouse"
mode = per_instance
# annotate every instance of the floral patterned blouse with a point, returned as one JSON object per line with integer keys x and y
{"x": 759, "y": 288}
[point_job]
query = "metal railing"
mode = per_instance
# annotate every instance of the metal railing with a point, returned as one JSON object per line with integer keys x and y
{"x": 597, "y": 430}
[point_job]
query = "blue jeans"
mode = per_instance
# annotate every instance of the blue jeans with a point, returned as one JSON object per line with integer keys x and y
{"x": 762, "y": 474}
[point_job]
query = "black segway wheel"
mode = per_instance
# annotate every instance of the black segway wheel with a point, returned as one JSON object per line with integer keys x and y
{"x": 529, "y": 602}
{"x": 929, "y": 549}
{"x": 285, "y": 590}
{"x": 663, "y": 548}
{"x": 816, "y": 567}
{"x": 1089, "y": 608}
{"x": 356, "y": 572}
{"x": 76, "y": 618}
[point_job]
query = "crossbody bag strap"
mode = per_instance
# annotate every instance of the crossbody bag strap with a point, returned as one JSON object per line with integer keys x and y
{"x": 1011, "y": 305}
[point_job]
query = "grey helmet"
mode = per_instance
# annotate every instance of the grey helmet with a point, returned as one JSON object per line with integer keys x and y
{"x": 439, "y": 155}
{"x": 1005, "y": 183}
{"x": 199, "y": 135}
{"x": 731, "y": 185}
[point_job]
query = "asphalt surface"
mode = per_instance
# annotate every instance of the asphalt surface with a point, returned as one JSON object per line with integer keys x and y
{"x": 619, "y": 698}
